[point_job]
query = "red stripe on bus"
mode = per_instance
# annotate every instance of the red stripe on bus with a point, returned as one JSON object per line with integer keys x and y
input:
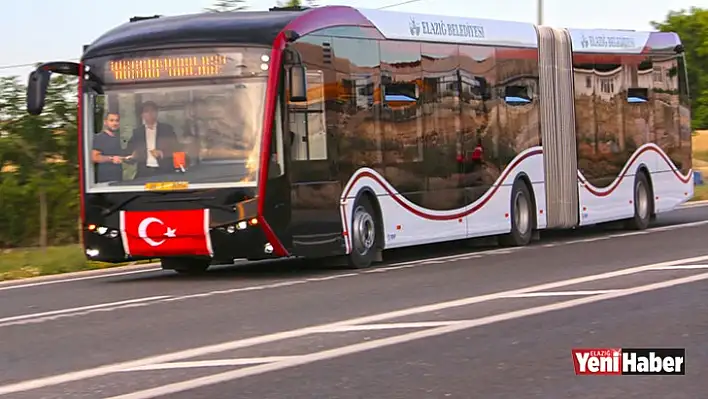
{"x": 82, "y": 162}
{"x": 271, "y": 99}
{"x": 458, "y": 215}
{"x": 609, "y": 190}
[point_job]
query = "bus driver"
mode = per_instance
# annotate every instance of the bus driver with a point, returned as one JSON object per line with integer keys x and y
{"x": 153, "y": 144}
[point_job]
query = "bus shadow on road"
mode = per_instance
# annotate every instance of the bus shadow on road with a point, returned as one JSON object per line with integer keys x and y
{"x": 285, "y": 269}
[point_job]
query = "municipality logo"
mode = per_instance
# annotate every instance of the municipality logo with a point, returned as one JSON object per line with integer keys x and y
{"x": 414, "y": 27}
{"x": 584, "y": 42}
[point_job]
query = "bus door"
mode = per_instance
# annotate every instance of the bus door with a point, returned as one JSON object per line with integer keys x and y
{"x": 316, "y": 227}
{"x": 277, "y": 198}
{"x": 474, "y": 150}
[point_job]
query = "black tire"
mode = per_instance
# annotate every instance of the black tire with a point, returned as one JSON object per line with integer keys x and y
{"x": 643, "y": 203}
{"x": 364, "y": 235}
{"x": 187, "y": 266}
{"x": 522, "y": 214}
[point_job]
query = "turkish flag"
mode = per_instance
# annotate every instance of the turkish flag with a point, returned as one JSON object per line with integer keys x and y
{"x": 166, "y": 233}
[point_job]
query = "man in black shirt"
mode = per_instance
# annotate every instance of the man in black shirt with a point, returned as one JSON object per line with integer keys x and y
{"x": 107, "y": 152}
{"x": 153, "y": 144}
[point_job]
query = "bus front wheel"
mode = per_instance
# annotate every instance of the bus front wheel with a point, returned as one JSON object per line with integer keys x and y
{"x": 188, "y": 266}
{"x": 363, "y": 234}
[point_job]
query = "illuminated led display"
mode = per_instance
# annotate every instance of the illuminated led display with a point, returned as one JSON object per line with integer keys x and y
{"x": 166, "y": 67}
{"x": 181, "y": 67}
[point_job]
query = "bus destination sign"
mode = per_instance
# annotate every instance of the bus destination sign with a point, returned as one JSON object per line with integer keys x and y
{"x": 170, "y": 67}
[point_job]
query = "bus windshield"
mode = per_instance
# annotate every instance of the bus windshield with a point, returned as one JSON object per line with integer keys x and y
{"x": 199, "y": 134}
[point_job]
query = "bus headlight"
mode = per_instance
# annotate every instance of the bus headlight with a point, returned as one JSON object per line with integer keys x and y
{"x": 104, "y": 231}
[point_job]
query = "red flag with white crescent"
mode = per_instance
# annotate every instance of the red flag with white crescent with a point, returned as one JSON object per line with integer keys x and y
{"x": 166, "y": 233}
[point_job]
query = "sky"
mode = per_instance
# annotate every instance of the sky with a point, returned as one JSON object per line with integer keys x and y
{"x": 48, "y": 30}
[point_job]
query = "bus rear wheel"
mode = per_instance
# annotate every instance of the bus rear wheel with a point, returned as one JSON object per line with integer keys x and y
{"x": 363, "y": 235}
{"x": 522, "y": 217}
{"x": 643, "y": 204}
{"x": 187, "y": 266}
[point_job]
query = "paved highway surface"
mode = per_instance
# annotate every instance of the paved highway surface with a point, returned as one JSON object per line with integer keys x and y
{"x": 458, "y": 321}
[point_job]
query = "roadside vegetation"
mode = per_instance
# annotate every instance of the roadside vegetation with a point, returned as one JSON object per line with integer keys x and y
{"x": 18, "y": 263}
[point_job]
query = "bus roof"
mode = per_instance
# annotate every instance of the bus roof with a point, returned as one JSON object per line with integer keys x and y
{"x": 262, "y": 27}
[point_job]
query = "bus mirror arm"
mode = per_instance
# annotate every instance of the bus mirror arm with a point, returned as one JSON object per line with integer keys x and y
{"x": 39, "y": 81}
{"x": 297, "y": 79}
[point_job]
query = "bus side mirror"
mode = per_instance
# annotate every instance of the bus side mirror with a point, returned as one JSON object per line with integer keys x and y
{"x": 37, "y": 90}
{"x": 298, "y": 83}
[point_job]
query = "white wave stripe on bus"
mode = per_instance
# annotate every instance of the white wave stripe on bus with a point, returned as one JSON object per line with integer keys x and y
{"x": 390, "y": 198}
{"x": 631, "y": 162}
{"x": 523, "y": 162}
{"x": 500, "y": 181}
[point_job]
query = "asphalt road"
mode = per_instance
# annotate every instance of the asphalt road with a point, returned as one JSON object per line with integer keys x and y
{"x": 462, "y": 321}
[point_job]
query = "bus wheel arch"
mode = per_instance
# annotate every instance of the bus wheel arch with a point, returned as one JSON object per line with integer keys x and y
{"x": 366, "y": 232}
{"x": 522, "y": 212}
{"x": 642, "y": 200}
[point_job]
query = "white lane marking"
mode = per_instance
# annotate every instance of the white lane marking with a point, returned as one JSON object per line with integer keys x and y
{"x": 399, "y": 339}
{"x": 81, "y": 309}
{"x": 560, "y": 293}
{"x": 693, "y": 204}
{"x": 279, "y": 336}
{"x": 683, "y": 267}
{"x": 386, "y": 326}
{"x": 287, "y": 283}
{"x": 592, "y": 239}
{"x": 631, "y": 233}
{"x": 675, "y": 226}
{"x": 39, "y": 318}
{"x": 210, "y": 363}
{"x": 12, "y": 285}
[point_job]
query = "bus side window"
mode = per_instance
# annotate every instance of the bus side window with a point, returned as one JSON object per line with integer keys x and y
{"x": 308, "y": 127}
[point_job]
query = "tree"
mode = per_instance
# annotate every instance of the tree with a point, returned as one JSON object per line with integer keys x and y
{"x": 692, "y": 27}
{"x": 239, "y": 5}
{"x": 227, "y": 6}
{"x": 296, "y": 3}
{"x": 36, "y": 151}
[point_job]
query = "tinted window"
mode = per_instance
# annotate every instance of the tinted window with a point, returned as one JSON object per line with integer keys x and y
{"x": 357, "y": 130}
{"x": 440, "y": 109}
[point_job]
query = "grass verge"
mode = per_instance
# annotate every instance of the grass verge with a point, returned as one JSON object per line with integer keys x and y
{"x": 31, "y": 262}
{"x": 700, "y": 193}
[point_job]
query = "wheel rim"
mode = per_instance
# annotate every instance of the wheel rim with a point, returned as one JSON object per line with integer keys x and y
{"x": 642, "y": 200}
{"x": 363, "y": 230}
{"x": 522, "y": 218}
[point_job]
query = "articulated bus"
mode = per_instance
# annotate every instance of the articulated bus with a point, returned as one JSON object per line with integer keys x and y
{"x": 337, "y": 132}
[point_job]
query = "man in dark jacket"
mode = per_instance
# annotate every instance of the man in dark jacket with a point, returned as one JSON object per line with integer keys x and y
{"x": 153, "y": 144}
